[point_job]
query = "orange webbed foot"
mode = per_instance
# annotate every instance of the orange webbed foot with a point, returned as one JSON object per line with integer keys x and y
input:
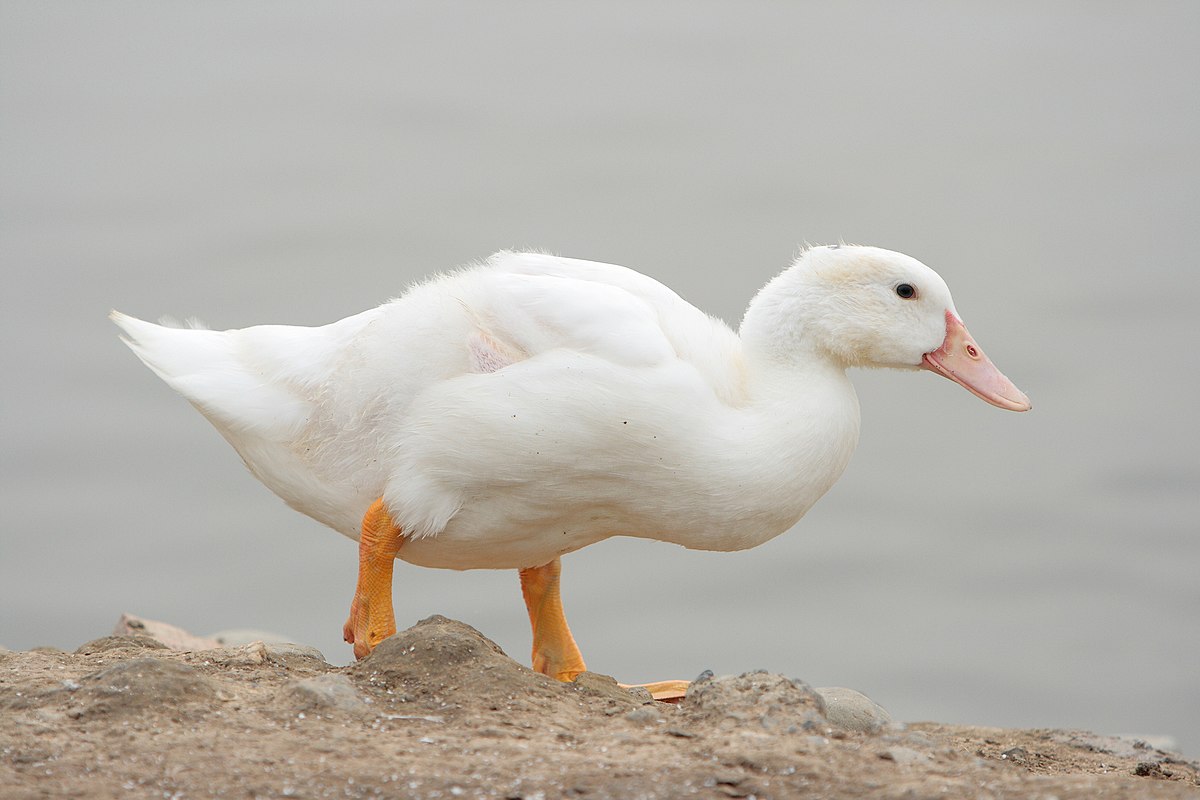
{"x": 663, "y": 691}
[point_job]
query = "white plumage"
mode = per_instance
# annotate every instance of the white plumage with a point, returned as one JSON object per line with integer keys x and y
{"x": 528, "y": 407}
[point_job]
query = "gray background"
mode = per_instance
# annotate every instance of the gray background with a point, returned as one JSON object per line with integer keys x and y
{"x": 298, "y": 162}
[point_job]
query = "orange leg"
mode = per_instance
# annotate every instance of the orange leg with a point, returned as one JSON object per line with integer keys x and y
{"x": 554, "y": 650}
{"x": 371, "y": 616}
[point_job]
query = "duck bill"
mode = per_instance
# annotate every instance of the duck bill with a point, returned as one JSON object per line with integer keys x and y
{"x": 963, "y": 361}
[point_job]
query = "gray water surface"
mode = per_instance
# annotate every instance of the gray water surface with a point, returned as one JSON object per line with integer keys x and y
{"x": 299, "y": 162}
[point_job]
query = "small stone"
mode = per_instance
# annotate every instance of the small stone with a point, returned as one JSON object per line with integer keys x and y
{"x": 1018, "y": 755}
{"x": 640, "y": 694}
{"x": 249, "y": 655}
{"x": 853, "y": 711}
{"x": 679, "y": 733}
{"x": 598, "y": 685}
{"x": 292, "y": 654}
{"x": 646, "y": 715}
{"x": 323, "y": 693}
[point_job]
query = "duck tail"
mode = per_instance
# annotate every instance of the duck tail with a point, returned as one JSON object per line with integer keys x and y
{"x": 211, "y": 370}
{"x": 171, "y": 351}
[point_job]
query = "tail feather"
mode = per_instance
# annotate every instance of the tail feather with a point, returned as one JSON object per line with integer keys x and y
{"x": 210, "y": 369}
{"x": 171, "y": 350}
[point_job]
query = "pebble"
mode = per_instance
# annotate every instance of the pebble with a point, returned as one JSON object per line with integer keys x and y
{"x": 292, "y": 654}
{"x": 249, "y": 655}
{"x": 332, "y": 692}
{"x": 645, "y": 715}
{"x": 853, "y": 711}
{"x": 599, "y": 685}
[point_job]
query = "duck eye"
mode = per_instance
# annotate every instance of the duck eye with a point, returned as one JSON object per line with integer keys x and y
{"x": 906, "y": 290}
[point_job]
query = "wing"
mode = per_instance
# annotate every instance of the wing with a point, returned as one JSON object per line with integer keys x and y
{"x": 539, "y": 302}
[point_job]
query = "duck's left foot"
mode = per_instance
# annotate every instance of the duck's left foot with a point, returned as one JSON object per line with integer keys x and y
{"x": 663, "y": 691}
{"x": 371, "y": 616}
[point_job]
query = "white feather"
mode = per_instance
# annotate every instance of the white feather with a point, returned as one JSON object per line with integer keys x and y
{"x": 533, "y": 405}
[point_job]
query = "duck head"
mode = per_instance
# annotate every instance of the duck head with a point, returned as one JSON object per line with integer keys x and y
{"x": 869, "y": 307}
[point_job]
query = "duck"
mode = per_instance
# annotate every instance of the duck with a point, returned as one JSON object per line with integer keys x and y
{"x": 506, "y": 414}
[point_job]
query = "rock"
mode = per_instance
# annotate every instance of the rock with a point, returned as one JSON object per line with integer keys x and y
{"x": 291, "y": 654}
{"x": 853, "y": 711}
{"x": 645, "y": 715}
{"x": 323, "y": 693}
{"x": 598, "y": 685}
{"x": 248, "y": 655}
{"x": 173, "y": 637}
{"x": 115, "y": 643}
{"x": 641, "y": 694}
{"x": 755, "y": 700}
{"x": 141, "y": 686}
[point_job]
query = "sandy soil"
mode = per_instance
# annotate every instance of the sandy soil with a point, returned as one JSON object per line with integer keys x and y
{"x": 439, "y": 711}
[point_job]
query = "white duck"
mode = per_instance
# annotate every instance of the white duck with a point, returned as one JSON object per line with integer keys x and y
{"x": 504, "y": 415}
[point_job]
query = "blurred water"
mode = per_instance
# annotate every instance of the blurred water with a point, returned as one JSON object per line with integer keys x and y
{"x": 299, "y": 162}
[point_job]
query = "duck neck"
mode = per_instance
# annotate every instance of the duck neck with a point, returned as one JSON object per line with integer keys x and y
{"x": 780, "y": 331}
{"x": 805, "y": 410}
{"x": 806, "y": 386}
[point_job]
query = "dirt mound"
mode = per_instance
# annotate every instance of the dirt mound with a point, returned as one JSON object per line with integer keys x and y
{"x": 446, "y": 668}
{"x": 439, "y": 711}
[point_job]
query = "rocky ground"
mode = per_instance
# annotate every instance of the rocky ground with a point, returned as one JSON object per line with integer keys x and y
{"x": 439, "y": 711}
